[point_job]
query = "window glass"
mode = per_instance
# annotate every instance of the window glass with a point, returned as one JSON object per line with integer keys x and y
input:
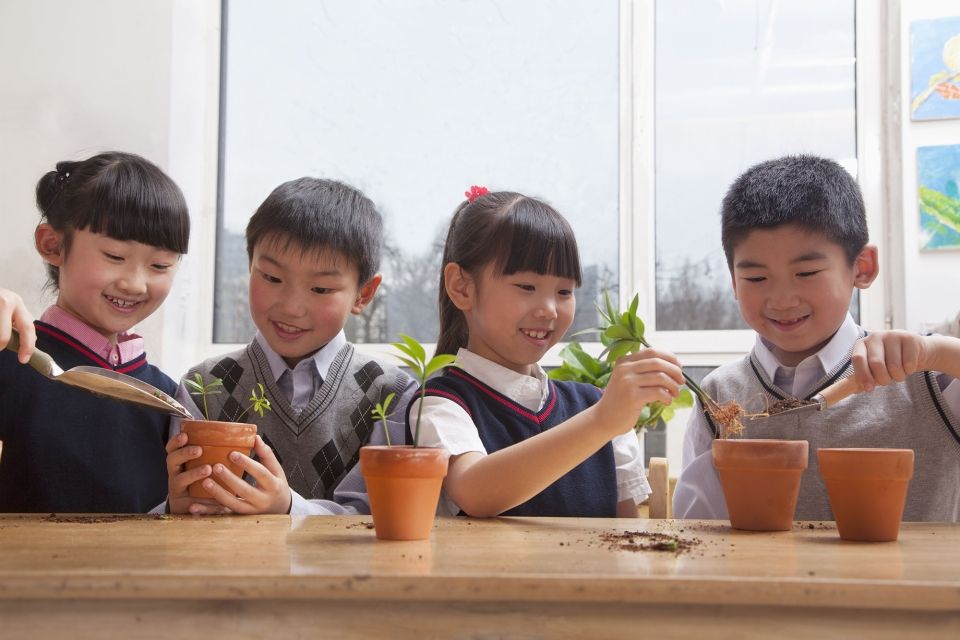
{"x": 413, "y": 102}
{"x": 737, "y": 83}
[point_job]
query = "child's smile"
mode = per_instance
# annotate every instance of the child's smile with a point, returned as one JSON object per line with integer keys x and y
{"x": 516, "y": 318}
{"x": 301, "y": 300}
{"x": 112, "y": 284}
{"x": 794, "y": 288}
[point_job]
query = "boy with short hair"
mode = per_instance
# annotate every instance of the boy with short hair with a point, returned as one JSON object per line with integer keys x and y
{"x": 314, "y": 249}
{"x": 795, "y": 236}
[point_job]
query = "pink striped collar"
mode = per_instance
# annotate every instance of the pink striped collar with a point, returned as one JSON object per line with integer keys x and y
{"x": 129, "y": 345}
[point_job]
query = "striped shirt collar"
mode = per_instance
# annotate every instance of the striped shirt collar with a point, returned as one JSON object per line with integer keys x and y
{"x": 128, "y": 347}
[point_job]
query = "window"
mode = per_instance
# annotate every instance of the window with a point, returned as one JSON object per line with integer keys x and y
{"x": 738, "y": 83}
{"x": 413, "y": 102}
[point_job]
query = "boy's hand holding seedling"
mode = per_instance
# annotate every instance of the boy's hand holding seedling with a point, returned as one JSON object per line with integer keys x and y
{"x": 271, "y": 493}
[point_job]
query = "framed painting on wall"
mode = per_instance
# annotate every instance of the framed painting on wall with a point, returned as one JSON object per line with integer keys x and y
{"x": 935, "y": 69}
{"x": 938, "y": 187}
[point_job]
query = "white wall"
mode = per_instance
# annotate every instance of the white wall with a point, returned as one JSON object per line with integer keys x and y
{"x": 83, "y": 77}
{"x": 931, "y": 292}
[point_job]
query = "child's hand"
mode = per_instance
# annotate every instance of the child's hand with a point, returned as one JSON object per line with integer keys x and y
{"x": 637, "y": 380}
{"x": 270, "y": 495}
{"x": 13, "y": 313}
{"x": 178, "y": 480}
{"x": 886, "y": 356}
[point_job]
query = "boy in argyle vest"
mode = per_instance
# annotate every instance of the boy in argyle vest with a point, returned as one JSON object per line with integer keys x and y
{"x": 795, "y": 236}
{"x": 314, "y": 250}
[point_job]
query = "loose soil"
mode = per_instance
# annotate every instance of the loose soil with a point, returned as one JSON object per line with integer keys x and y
{"x": 648, "y": 541}
{"x": 786, "y": 404}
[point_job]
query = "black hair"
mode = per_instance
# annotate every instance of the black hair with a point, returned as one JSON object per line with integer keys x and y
{"x": 319, "y": 215}
{"x": 513, "y": 233}
{"x": 121, "y": 195}
{"x": 815, "y": 194}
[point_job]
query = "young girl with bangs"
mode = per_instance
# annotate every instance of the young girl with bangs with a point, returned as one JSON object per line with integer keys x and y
{"x": 520, "y": 443}
{"x": 113, "y": 228}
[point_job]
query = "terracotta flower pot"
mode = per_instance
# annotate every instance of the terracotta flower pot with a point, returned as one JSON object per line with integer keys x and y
{"x": 868, "y": 490}
{"x": 404, "y": 487}
{"x": 217, "y": 440}
{"x": 761, "y": 481}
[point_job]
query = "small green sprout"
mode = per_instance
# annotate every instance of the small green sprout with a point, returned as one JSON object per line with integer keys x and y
{"x": 415, "y": 357}
{"x": 197, "y": 387}
{"x": 381, "y": 412}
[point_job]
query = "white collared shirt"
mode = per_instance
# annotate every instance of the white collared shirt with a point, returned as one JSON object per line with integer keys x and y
{"x": 301, "y": 383}
{"x": 445, "y": 423}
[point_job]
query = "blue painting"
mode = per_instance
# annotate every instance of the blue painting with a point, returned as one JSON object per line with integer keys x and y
{"x": 935, "y": 69}
{"x": 938, "y": 182}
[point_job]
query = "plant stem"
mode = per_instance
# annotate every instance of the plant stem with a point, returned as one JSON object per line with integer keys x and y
{"x": 416, "y": 433}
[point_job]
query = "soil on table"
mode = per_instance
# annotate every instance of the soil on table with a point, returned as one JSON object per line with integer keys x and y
{"x": 649, "y": 541}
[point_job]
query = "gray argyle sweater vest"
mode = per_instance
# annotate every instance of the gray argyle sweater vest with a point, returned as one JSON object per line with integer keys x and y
{"x": 321, "y": 443}
{"x": 902, "y": 415}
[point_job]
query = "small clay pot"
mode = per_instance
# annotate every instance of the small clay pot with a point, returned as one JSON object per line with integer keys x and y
{"x": 868, "y": 490}
{"x": 217, "y": 441}
{"x": 404, "y": 484}
{"x": 761, "y": 481}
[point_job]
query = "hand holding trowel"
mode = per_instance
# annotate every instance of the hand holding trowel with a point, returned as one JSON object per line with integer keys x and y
{"x": 103, "y": 382}
{"x": 827, "y": 398}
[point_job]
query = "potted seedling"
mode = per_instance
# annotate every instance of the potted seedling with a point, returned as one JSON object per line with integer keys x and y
{"x": 219, "y": 439}
{"x": 404, "y": 481}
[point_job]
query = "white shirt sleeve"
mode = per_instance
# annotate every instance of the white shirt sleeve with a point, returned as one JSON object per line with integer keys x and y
{"x": 444, "y": 423}
{"x": 631, "y": 476}
{"x": 698, "y": 493}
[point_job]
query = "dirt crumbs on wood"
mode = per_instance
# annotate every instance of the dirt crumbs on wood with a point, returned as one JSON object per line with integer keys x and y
{"x": 53, "y": 517}
{"x": 365, "y": 525}
{"x": 648, "y": 541}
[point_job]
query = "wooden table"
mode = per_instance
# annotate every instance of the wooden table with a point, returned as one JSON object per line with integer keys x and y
{"x": 288, "y": 577}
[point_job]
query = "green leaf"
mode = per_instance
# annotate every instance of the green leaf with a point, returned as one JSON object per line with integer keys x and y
{"x": 414, "y": 366}
{"x": 439, "y": 362}
{"x": 574, "y": 355}
{"x": 620, "y": 349}
{"x": 416, "y": 349}
{"x": 618, "y": 332}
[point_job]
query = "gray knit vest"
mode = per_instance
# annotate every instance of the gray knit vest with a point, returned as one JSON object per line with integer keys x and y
{"x": 902, "y": 415}
{"x": 321, "y": 443}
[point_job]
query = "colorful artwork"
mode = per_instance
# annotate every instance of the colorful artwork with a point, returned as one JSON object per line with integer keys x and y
{"x": 938, "y": 182}
{"x": 935, "y": 69}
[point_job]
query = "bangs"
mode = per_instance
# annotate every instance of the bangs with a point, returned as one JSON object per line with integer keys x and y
{"x": 532, "y": 236}
{"x": 130, "y": 202}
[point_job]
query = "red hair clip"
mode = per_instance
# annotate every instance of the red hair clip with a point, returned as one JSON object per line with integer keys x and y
{"x": 475, "y": 192}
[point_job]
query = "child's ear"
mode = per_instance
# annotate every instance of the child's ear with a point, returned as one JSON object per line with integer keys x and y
{"x": 49, "y": 243}
{"x": 459, "y": 286}
{"x": 366, "y": 293}
{"x": 866, "y": 267}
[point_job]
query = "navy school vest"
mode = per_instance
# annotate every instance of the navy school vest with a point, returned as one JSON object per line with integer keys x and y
{"x": 587, "y": 490}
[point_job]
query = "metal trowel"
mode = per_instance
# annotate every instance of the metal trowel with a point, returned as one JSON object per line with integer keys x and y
{"x": 103, "y": 382}
{"x": 827, "y": 398}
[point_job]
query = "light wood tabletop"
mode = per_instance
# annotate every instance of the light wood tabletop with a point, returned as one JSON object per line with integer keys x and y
{"x": 531, "y": 577}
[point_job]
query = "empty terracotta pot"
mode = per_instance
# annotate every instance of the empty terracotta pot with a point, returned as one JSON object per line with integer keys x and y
{"x": 867, "y": 489}
{"x": 761, "y": 481}
{"x": 404, "y": 487}
{"x": 217, "y": 440}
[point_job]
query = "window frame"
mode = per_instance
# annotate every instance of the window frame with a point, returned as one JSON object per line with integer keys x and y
{"x": 191, "y": 325}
